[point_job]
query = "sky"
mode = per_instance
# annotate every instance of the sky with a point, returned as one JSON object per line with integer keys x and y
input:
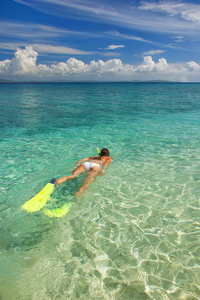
{"x": 99, "y": 40}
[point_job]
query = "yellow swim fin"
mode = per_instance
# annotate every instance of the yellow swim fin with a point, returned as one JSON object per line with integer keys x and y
{"x": 38, "y": 201}
{"x": 59, "y": 212}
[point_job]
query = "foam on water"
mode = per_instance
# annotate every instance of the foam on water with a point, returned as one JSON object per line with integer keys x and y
{"x": 135, "y": 234}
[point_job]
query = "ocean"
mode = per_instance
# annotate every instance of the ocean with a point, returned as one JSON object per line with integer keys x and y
{"x": 135, "y": 233}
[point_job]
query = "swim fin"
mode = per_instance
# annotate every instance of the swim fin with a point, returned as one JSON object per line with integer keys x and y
{"x": 38, "y": 201}
{"x": 59, "y": 212}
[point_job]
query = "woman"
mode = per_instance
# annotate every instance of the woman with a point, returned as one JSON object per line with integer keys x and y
{"x": 91, "y": 164}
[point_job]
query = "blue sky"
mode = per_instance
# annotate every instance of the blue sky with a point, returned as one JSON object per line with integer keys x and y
{"x": 99, "y": 40}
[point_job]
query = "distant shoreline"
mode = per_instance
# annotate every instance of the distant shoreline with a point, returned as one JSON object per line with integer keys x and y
{"x": 95, "y": 82}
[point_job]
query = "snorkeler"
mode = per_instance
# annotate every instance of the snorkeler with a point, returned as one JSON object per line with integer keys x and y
{"x": 91, "y": 164}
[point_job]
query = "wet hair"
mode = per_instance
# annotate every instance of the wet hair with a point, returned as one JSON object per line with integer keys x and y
{"x": 104, "y": 152}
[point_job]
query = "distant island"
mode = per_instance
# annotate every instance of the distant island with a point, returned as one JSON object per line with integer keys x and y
{"x": 86, "y": 81}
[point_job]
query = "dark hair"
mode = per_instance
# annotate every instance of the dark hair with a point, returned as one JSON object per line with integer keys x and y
{"x": 104, "y": 152}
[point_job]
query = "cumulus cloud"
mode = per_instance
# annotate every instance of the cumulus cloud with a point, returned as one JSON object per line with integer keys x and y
{"x": 4, "y": 66}
{"x": 193, "y": 66}
{"x": 153, "y": 52}
{"x": 24, "y": 62}
{"x": 24, "y": 65}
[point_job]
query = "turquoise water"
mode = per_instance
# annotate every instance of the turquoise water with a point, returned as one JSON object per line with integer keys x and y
{"x": 135, "y": 234}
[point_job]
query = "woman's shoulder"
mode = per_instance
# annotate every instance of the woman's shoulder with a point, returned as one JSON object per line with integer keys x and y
{"x": 108, "y": 158}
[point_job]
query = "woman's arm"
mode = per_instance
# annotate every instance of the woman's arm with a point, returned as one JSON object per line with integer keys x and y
{"x": 79, "y": 162}
{"x": 106, "y": 164}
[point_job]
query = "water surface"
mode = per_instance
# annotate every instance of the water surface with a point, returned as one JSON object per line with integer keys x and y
{"x": 135, "y": 234}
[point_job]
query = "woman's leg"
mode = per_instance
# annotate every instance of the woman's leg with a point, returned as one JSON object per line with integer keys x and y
{"x": 91, "y": 176}
{"x": 81, "y": 169}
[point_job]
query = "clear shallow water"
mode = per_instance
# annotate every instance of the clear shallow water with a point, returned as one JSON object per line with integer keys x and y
{"x": 135, "y": 234}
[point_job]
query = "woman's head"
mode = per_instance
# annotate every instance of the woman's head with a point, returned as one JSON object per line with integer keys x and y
{"x": 104, "y": 152}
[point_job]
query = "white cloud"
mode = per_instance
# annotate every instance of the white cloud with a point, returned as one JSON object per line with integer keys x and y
{"x": 188, "y": 11}
{"x": 193, "y": 66}
{"x": 23, "y": 65}
{"x": 4, "y": 66}
{"x": 147, "y": 66}
{"x": 30, "y": 30}
{"x": 174, "y": 18}
{"x": 165, "y": 6}
{"x": 24, "y": 62}
{"x": 112, "y": 47}
{"x": 35, "y": 32}
{"x": 153, "y": 52}
{"x": 178, "y": 38}
{"x": 128, "y": 37}
{"x": 43, "y": 48}
{"x": 111, "y": 54}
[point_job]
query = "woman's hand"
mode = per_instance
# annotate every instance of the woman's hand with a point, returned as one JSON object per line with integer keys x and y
{"x": 103, "y": 172}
